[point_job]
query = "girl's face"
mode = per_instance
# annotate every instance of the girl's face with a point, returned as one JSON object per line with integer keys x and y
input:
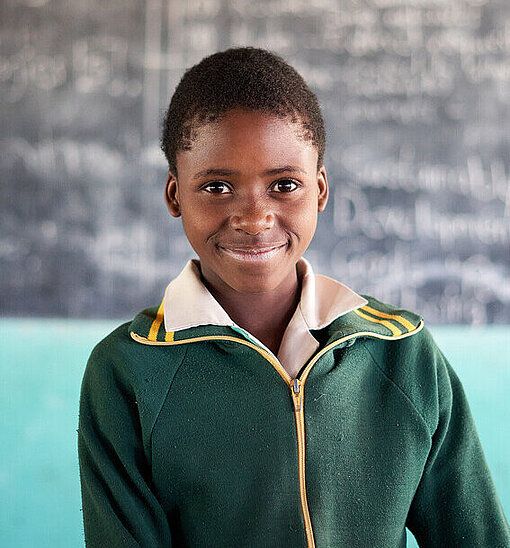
{"x": 249, "y": 193}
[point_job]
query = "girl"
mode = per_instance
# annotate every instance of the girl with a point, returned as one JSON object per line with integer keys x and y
{"x": 260, "y": 404}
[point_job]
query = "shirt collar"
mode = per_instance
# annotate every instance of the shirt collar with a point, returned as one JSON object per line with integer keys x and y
{"x": 188, "y": 303}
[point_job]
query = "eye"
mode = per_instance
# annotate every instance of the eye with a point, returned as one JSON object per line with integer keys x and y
{"x": 285, "y": 185}
{"x": 216, "y": 187}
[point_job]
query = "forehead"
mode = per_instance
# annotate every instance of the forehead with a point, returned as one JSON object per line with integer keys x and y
{"x": 244, "y": 139}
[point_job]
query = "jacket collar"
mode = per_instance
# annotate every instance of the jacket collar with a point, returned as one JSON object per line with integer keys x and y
{"x": 371, "y": 318}
{"x": 189, "y": 304}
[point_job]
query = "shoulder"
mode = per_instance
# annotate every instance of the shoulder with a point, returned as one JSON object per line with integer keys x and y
{"x": 121, "y": 359}
{"x": 411, "y": 359}
{"x": 398, "y": 338}
{"x": 111, "y": 345}
{"x": 123, "y": 373}
{"x": 386, "y": 319}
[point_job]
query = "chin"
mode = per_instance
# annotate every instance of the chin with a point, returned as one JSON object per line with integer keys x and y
{"x": 253, "y": 286}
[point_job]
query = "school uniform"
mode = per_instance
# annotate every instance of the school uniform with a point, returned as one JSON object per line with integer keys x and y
{"x": 193, "y": 433}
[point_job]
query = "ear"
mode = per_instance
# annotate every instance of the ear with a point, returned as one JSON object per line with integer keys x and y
{"x": 322, "y": 182}
{"x": 172, "y": 195}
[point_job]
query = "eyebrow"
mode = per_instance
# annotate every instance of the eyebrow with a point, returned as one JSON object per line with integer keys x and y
{"x": 227, "y": 172}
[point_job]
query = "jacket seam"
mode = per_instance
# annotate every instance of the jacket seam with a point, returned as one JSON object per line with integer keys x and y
{"x": 400, "y": 389}
{"x": 163, "y": 400}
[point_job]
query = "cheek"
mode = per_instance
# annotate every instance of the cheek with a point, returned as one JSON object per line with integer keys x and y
{"x": 303, "y": 216}
{"x": 310, "y": 225}
{"x": 200, "y": 223}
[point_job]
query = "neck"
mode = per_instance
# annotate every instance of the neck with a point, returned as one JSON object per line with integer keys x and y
{"x": 264, "y": 315}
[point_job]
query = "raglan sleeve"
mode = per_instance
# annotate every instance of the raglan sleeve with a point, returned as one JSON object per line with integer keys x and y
{"x": 120, "y": 507}
{"x": 456, "y": 503}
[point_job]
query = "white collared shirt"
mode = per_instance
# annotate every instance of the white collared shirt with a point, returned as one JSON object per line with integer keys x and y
{"x": 188, "y": 303}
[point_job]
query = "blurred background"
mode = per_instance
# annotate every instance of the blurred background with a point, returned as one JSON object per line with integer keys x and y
{"x": 416, "y": 98}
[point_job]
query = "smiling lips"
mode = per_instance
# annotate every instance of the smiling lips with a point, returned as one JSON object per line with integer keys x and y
{"x": 253, "y": 254}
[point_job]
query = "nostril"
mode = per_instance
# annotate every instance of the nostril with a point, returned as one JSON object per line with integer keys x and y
{"x": 252, "y": 224}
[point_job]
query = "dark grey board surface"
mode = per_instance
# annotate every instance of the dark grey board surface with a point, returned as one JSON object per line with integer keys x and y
{"x": 416, "y": 97}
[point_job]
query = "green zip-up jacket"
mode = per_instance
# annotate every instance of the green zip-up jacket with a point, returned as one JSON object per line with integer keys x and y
{"x": 200, "y": 438}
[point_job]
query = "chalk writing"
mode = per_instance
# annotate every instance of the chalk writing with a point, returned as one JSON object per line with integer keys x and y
{"x": 415, "y": 98}
{"x": 474, "y": 179}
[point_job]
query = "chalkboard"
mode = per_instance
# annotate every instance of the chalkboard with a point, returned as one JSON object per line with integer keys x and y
{"x": 416, "y": 97}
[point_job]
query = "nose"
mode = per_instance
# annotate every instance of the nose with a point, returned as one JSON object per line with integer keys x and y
{"x": 252, "y": 217}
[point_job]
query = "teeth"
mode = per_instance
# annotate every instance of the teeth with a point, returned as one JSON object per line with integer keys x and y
{"x": 253, "y": 254}
{"x": 254, "y": 251}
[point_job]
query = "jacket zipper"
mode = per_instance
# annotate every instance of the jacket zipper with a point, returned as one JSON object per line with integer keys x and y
{"x": 297, "y": 397}
{"x": 296, "y": 386}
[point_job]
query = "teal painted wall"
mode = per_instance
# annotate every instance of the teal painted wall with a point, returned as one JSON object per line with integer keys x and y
{"x": 41, "y": 365}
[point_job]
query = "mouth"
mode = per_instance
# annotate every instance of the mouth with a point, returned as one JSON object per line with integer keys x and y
{"x": 253, "y": 254}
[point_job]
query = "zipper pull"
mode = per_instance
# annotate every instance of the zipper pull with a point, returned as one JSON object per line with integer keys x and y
{"x": 297, "y": 395}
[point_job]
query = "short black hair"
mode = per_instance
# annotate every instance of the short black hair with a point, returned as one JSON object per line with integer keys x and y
{"x": 248, "y": 78}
